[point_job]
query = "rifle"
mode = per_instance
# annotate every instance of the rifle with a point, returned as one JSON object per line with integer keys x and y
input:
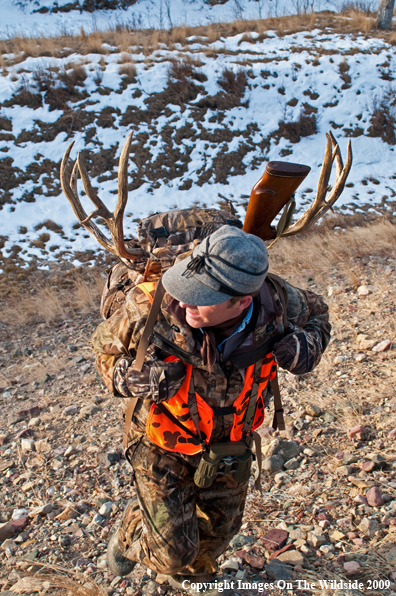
{"x": 275, "y": 191}
{"x": 270, "y": 194}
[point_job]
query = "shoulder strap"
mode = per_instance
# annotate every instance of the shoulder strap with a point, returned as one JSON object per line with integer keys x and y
{"x": 151, "y": 319}
{"x": 280, "y": 287}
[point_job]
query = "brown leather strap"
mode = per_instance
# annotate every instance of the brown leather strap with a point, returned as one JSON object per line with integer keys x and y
{"x": 280, "y": 287}
{"x": 151, "y": 319}
{"x": 257, "y": 445}
{"x": 278, "y": 422}
{"x": 128, "y": 420}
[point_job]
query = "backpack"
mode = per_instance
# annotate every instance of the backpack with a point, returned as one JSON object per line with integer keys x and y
{"x": 162, "y": 237}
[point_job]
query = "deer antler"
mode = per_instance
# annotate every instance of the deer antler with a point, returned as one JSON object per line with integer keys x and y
{"x": 322, "y": 204}
{"x": 114, "y": 220}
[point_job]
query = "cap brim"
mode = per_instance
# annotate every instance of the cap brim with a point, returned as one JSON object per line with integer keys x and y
{"x": 190, "y": 290}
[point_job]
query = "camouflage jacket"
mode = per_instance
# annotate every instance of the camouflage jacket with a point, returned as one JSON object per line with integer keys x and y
{"x": 297, "y": 349}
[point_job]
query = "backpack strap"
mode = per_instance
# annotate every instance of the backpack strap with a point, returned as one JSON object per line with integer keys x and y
{"x": 280, "y": 286}
{"x": 151, "y": 319}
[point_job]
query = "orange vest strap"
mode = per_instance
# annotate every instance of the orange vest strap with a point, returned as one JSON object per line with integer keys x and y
{"x": 147, "y": 287}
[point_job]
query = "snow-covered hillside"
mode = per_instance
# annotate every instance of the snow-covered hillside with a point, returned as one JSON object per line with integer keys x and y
{"x": 27, "y": 17}
{"x": 206, "y": 117}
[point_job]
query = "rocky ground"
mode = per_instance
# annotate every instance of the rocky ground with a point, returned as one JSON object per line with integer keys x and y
{"x": 329, "y": 498}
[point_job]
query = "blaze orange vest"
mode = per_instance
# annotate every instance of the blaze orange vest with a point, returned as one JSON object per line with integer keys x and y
{"x": 170, "y": 424}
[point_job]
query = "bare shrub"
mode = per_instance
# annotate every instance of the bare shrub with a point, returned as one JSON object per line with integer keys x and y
{"x": 382, "y": 119}
{"x": 305, "y": 126}
{"x": 365, "y": 7}
{"x": 233, "y": 82}
{"x": 73, "y": 75}
{"x": 128, "y": 72}
{"x": 48, "y": 582}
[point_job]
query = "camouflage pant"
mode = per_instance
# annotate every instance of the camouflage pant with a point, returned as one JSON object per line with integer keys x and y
{"x": 171, "y": 525}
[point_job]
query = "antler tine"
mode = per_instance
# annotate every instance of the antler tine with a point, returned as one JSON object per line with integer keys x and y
{"x": 321, "y": 205}
{"x": 303, "y": 222}
{"x": 122, "y": 198}
{"x": 73, "y": 199}
{"x": 70, "y": 190}
{"x": 101, "y": 209}
{"x": 89, "y": 225}
{"x": 113, "y": 220}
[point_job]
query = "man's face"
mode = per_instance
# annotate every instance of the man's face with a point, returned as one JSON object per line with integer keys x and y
{"x": 207, "y": 316}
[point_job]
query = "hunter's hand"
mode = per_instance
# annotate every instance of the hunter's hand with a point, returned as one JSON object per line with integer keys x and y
{"x": 166, "y": 378}
{"x": 297, "y": 351}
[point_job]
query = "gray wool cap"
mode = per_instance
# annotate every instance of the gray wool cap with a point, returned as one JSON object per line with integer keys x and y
{"x": 227, "y": 263}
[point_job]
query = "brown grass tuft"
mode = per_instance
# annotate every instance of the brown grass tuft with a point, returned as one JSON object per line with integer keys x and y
{"x": 57, "y": 583}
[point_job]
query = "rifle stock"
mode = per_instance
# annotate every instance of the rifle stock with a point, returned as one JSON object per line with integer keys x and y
{"x": 270, "y": 194}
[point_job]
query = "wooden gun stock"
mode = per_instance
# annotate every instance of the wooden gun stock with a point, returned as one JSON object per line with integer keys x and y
{"x": 271, "y": 193}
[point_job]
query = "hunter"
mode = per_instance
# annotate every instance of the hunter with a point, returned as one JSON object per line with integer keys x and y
{"x": 222, "y": 328}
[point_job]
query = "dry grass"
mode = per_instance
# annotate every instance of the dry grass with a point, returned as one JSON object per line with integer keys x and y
{"x": 52, "y": 302}
{"x": 324, "y": 248}
{"x": 57, "y": 584}
{"x": 123, "y": 38}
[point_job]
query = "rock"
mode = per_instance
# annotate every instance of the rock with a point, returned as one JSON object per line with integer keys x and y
{"x": 230, "y": 564}
{"x": 391, "y": 556}
{"x": 43, "y": 510}
{"x": 309, "y": 452}
{"x": 327, "y": 549}
{"x": 369, "y": 527}
{"x": 90, "y": 410}
{"x": 150, "y": 589}
{"x": 70, "y": 410}
{"x": 356, "y": 431}
{"x": 364, "y": 290}
{"x": 316, "y": 540}
{"x": 67, "y": 514}
{"x": 281, "y": 478}
{"x": 255, "y": 561}
{"x": 29, "y": 413}
{"x": 292, "y": 557}
{"x": 360, "y": 499}
{"x": 6, "y": 531}
{"x": 17, "y": 513}
{"x": 344, "y": 470}
{"x": 3, "y": 440}
{"x": 32, "y": 555}
{"x": 392, "y": 434}
{"x": 360, "y": 357}
{"x": 329, "y": 418}
{"x": 351, "y": 567}
{"x": 283, "y": 447}
{"x": 313, "y": 410}
{"x": 273, "y": 463}
{"x": 71, "y": 450}
{"x": 64, "y": 541}
{"x": 382, "y": 346}
{"x": 367, "y": 344}
{"x": 367, "y": 466}
{"x": 336, "y": 536}
{"x": 20, "y": 524}
{"x": 239, "y": 540}
{"x": 278, "y": 570}
{"x": 27, "y": 445}
{"x": 97, "y": 519}
{"x": 35, "y": 422}
{"x": 374, "y": 497}
{"x": 106, "y": 508}
{"x": 274, "y": 539}
{"x": 292, "y": 464}
{"x": 42, "y": 446}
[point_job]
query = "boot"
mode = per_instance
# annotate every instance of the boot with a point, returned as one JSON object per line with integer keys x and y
{"x": 118, "y": 564}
